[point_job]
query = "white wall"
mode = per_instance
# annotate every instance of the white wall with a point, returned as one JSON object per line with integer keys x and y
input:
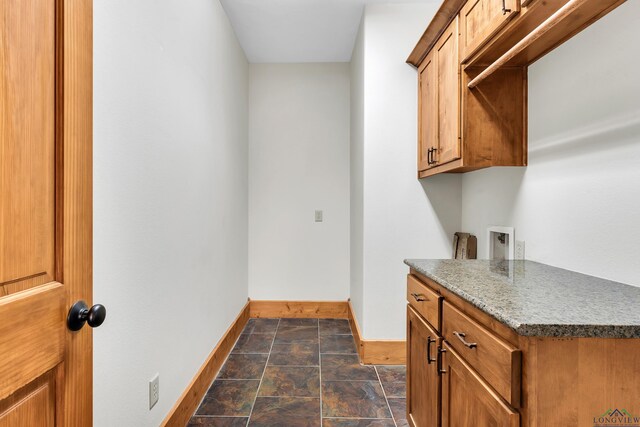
{"x": 402, "y": 217}
{"x": 299, "y": 162}
{"x": 576, "y": 205}
{"x": 356, "y": 170}
{"x": 170, "y": 224}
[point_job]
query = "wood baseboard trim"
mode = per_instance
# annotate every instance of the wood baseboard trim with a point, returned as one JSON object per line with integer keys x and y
{"x": 355, "y": 329}
{"x": 300, "y": 309}
{"x": 377, "y": 352}
{"x": 190, "y": 399}
{"x": 384, "y": 352}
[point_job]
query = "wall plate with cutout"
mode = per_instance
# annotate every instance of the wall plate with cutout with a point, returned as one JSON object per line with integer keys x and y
{"x": 501, "y": 242}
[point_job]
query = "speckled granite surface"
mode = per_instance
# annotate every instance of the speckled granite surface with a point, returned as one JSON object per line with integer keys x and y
{"x": 539, "y": 300}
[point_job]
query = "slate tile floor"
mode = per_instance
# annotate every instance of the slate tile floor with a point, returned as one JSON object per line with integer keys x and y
{"x": 302, "y": 372}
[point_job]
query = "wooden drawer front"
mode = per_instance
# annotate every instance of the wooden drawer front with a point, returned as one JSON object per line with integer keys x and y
{"x": 424, "y": 301}
{"x": 467, "y": 400}
{"x": 480, "y": 20}
{"x": 496, "y": 360}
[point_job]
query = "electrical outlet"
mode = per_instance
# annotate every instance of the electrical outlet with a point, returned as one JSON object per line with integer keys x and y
{"x": 318, "y": 216}
{"x": 519, "y": 249}
{"x": 154, "y": 390}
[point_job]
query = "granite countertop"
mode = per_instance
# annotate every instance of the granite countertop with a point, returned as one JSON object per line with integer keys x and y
{"x": 539, "y": 300}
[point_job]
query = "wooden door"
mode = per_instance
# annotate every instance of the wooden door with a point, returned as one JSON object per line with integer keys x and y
{"x": 423, "y": 381}
{"x": 467, "y": 401}
{"x": 427, "y": 111}
{"x": 480, "y": 20}
{"x": 45, "y": 211}
{"x": 448, "y": 95}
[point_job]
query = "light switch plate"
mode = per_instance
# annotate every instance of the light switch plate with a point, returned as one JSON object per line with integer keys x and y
{"x": 318, "y": 216}
{"x": 154, "y": 390}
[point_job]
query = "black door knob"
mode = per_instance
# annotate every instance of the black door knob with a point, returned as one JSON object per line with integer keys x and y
{"x": 79, "y": 314}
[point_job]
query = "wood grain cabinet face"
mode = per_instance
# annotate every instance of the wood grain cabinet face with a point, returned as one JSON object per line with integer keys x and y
{"x": 423, "y": 381}
{"x": 480, "y": 20}
{"x": 497, "y": 361}
{"x": 424, "y": 301}
{"x": 439, "y": 103}
{"x": 448, "y": 95}
{"x": 467, "y": 401}
{"x": 427, "y": 111}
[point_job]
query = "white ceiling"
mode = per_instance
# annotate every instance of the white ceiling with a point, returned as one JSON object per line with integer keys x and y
{"x": 297, "y": 30}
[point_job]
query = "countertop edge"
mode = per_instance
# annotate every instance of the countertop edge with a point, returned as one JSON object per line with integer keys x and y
{"x": 534, "y": 329}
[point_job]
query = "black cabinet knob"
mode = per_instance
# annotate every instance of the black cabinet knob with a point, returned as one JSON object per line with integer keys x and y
{"x": 80, "y": 313}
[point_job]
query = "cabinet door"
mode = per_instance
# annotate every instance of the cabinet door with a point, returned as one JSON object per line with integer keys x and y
{"x": 467, "y": 401}
{"x": 481, "y": 19}
{"x": 448, "y": 95}
{"x": 427, "y": 111}
{"x": 423, "y": 382}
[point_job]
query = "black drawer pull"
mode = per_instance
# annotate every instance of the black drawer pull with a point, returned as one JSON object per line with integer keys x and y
{"x": 429, "y": 342}
{"x": 441, "y": 352}
{"x": 431, "y": 156}
{"x": 419, "y": 297}
{"x": 504, "y": 8}
{"x": 461, "y": 336}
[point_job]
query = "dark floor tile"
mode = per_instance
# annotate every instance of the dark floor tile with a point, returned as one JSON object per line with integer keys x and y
{"x": 399, "y": 410}
{"x": 300, "y": 358}
{"x": 343, "y": 344}
{"x": 229, "y": 397}
{"x": 346, "y": 367}
{"x": 392, "y": 373}
{"x": 357, "y": 422}
{"x": 286, "y": 411}
{"x": 290, "y": 381}
{"x": 358, "y": 399}
{"x": 334, "y": 327}
{"x": 244, "y": 367}
{"x": 261, "y": 326}
{"x": 253, "y": 343}
{"x": 218, "y": 422}
{"x": 296, "y": 347}
{"x": 298, "y": 322}
{"x": 289, "y": 394}
{"x": 395, "y": 389}
{"x": 293, "y": 334}
{"x": 295, "y": 354}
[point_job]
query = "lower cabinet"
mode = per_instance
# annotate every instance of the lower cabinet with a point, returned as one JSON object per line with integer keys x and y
{"x": 443, "y": 388}
{"x": 467, "y": 401}
{"x": 466, "y": 369}
{"x": 423, "y": 381}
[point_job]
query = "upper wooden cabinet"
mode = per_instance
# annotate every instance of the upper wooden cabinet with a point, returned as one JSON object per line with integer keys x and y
{"x": 462, "y": 129}
{"x": 439, "y": 105}
{"x": 428, "y": 111}
{"x": 472, "y": 77}
{"x": 448, "y": 96}
{"x": 481, "y": 19}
